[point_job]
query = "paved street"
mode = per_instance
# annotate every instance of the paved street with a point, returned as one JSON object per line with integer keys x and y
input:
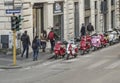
{"x": 102, "y": 66}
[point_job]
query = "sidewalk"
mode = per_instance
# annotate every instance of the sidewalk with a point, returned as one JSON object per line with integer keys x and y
{"x": 6, "y": 61}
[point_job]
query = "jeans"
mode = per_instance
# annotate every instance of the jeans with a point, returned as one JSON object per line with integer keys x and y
{"x": 43, "y": 46}
{"x": 52, "y": 42}
{"x": 25, "y": 48}
{"x": 35, "y": 54}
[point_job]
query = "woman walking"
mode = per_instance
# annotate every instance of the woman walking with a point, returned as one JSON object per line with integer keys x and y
{"x": 43, "y": 38}
{"x": 35, "y": 47}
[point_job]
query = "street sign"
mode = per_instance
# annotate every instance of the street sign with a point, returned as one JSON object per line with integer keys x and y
{"x": 11, "y": 11}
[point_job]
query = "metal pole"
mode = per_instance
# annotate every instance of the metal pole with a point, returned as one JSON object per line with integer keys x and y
{"x": 14, "y": 47}
{"x": 14, "y": 43}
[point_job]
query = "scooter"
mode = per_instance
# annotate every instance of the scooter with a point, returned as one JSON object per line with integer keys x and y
{"x": 59, "y": 50}
{"x": 104, "y": 41}
{"x": 85, "y": 45}
{"x": 113, "y": 37}
{"x": 72, "y": 49}
{"x": 95, "y": 42}
{"x": 88, "y": 38}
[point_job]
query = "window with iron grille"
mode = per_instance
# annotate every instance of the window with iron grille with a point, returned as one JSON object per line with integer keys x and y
{"x": 87, "y": 4}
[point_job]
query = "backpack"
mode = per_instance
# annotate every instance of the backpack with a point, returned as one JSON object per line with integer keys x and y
{"x": 51, "y": 35}
{"x": 34, "y": 45}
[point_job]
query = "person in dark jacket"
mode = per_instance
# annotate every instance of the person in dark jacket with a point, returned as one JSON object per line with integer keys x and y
{"x": 83, "y": 30}
{"x": 90, "y": 28}
{"x": 35, "y": 47}
{"x": 25, "y": 42}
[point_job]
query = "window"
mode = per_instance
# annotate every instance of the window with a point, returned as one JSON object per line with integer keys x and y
{"x": 87, "y": 4}
{"x": 95, "y": 4}
{"x": 112, "y": 2}
{"x": 104, "y": 6}
{"x": 58, "y": 7}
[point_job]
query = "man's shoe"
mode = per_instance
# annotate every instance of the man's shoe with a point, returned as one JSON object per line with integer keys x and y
{"x": 33, "y": 59}
{"x": 22, "y": 56}
{"x": 36, "y": 59}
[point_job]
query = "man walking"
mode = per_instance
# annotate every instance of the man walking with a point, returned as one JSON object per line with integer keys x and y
{"x": 51, "y": 37}
{"x": 90, "y": 28}
{"x": 83, "y": 30}
{"x": 25, "y": 42}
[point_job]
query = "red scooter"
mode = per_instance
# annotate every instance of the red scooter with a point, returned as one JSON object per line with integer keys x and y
{"x": 104, "y": 41}
{"x": 85, "y": 45}
{"x": 59, "y": 50}
{"x": 88, "y": 38}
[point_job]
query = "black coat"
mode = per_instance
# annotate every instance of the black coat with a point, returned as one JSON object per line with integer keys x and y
{"x": 90, "y": 28}
{"x": 83, "y": 31}
{"x": 25, "y": 39}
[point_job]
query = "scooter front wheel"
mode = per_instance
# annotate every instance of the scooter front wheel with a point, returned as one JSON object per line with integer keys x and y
{"x": 67, "y": 56}
{"x": 75, "y": 55}
{"x": 63, "y": 55}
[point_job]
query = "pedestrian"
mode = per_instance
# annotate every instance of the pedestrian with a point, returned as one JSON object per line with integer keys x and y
{"x": 35, "y": 47}
{"x": 90, "y": 28}
{"x": 25, "y": 42}
{"x": 51, "y": 37}
{"x": 43, "y": 38}
{"x": 83, "y": 30}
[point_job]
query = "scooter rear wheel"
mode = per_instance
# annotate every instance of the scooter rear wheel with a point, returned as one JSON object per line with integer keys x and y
{"x": 56, "y": 56}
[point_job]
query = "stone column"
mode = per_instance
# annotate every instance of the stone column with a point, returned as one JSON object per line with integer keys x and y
{"x": 48, "y": 16}
{"x": 117, "y": 13}
{"x": 99, "y": 24}
{"x": 81, "y": 13}
{"x": 92, "y": 13}
{"x": 109, "y": 15}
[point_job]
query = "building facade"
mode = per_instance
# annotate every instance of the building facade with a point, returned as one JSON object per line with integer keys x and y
{"x": 66, "y": 16}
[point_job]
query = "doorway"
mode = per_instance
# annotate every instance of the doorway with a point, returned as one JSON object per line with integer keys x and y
{"x": 38, "y": 19}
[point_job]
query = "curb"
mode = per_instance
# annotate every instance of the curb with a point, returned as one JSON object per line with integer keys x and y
{"x": 10, "y": 67}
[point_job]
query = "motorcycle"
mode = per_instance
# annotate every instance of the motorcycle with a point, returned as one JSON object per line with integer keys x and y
{"x": 59, "y": 50}
{"x": 72, "y": 49}
{"x": 85, "y": 45}
{"x": 95, "y": 42}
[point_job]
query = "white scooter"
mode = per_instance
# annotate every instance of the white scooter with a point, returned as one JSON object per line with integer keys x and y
{"x": 113, "y": 37}
{"x": 72, "y": 49}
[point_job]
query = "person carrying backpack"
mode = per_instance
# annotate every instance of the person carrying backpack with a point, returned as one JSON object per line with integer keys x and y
{"x": 35, "y": 47}
{"x": 25, "y": 42}
{"x": 51, "y": 37}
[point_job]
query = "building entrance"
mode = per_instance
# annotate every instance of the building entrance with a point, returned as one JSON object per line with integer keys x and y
{"x": 58, "y": 26}
{"x": 38, "y": 19}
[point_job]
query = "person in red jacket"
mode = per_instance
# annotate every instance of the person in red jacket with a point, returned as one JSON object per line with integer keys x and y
{"x": 51, "y": 37}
